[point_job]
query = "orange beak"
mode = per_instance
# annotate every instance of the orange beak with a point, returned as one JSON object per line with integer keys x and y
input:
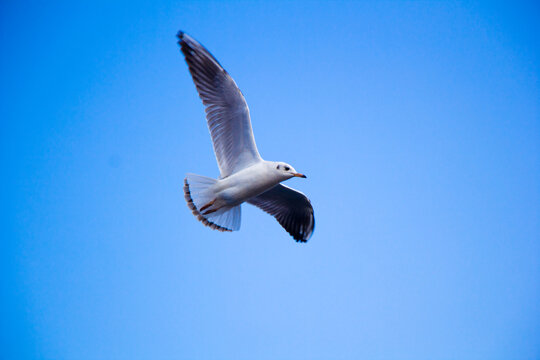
{"x": 300, "y": 175}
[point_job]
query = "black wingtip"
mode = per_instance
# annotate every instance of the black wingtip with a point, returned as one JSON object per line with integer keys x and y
{"x": 300, "y": 238}
{"x": 180, "y": 36}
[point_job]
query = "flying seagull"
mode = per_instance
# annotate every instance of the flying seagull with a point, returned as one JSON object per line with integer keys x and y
{"x": 245, "y": 176}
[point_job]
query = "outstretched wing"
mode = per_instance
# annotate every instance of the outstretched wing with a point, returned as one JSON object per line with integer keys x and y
{"x": 227, "y": 113}
{"x": 291, "y": 208}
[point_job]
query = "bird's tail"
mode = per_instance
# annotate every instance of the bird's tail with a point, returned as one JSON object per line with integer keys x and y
{"x": 200, "y": 199}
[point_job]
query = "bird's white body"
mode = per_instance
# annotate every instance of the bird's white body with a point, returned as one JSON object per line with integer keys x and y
{"x": 246, "y": 184}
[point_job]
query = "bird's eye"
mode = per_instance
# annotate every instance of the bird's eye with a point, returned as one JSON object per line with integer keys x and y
{"x": 287, "y": 168}
{"x": 277, "y": 167}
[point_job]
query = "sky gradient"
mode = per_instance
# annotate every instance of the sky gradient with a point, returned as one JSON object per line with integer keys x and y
{"x": 417, "y": 124}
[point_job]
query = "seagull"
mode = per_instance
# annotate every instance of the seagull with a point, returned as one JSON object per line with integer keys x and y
{"x": 244, "y": 175}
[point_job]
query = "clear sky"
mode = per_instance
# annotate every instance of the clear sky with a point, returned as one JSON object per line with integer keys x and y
{"x": 417, "y": 124}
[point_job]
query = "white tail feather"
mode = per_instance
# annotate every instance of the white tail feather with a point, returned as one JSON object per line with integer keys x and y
{"x": 198, "y": 193}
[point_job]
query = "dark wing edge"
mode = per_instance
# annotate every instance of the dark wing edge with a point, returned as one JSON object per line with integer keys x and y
{"x": 203, "y": 66}
{"x": 291, "y": 208}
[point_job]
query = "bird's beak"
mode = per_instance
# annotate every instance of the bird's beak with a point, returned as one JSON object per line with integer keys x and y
{"x": 300, "y": 175}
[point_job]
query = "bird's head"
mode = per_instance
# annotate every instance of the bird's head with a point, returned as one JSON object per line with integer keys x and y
{"x": 287, "y": 171}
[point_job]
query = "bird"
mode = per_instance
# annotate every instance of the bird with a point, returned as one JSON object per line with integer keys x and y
{"x": 244, "y": 176}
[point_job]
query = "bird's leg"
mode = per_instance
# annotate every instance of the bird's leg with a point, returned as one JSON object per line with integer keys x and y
{"x": 205, "y": 207}
{"x": 208, "y": 205}
{"x": 210, "y": 211}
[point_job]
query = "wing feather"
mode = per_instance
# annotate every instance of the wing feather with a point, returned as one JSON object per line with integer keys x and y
{"x": 291, "y": 208}
{"x": 227, "y": 113}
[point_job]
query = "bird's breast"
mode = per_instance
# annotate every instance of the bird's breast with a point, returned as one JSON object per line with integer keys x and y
{"x": 245, "y": 184}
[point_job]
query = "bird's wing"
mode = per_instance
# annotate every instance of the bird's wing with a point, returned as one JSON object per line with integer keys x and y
{"x": 227, "y": 112}
{"x": 291, "y": 208}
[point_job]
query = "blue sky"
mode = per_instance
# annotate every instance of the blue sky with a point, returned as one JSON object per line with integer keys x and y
{"x": 417, "y": 123}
